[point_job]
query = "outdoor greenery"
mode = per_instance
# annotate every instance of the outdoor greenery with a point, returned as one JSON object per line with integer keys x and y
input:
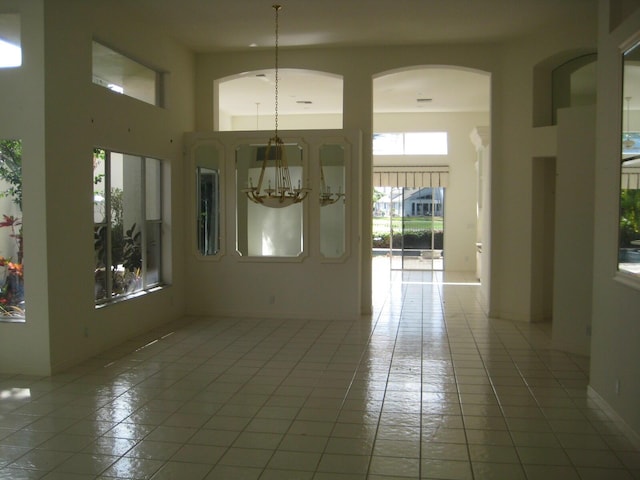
{"x": 417, "y": 224}
{"x": 12, "y": 269}
{"x": 410, "y": 232}
{"x": 629, "y": 217}
{"x": 124, "y": 245}
{"x": 126, "y": 252}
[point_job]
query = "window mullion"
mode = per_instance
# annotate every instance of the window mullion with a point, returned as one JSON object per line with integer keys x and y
{"x": 143, "y": 227}
{"x": 107, "y": 196}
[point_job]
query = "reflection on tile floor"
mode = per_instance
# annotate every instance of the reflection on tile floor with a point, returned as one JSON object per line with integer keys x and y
{"x": 427, "y": 388}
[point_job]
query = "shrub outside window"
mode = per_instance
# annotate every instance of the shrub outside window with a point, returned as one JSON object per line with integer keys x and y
{"x": 127, "y": 218}
{"x": 12, "y": 303}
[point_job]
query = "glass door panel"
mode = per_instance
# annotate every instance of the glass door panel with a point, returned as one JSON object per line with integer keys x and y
{"x": 408, "y": 227}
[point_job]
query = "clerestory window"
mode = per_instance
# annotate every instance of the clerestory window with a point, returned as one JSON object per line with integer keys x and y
{"x": 126, "y": 76}
{"x": 10, "y": 43}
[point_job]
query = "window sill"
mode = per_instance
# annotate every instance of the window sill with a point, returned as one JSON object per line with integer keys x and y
{"x": 130, "y": 296}
{"x": 12, "y": 320}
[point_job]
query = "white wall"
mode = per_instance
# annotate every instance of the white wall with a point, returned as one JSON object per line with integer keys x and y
{"x": 24, "y": 347}
{"x": 308, "y": 285}
{"x": 285, "y": 122}
{"x": 115, "y": 122}
{"x": 62, "y": 325}
{"x": 615, "y": 356}
{"x": 574, "y": 202}
{"x": 513, "y": 149}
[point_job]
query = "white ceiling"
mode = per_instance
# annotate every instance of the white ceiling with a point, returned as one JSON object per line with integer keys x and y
{"x": 234, "y": 25}
{"x": 208, "y": 25}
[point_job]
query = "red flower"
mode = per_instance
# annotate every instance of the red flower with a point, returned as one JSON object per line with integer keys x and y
{"x": 10, "y": 221}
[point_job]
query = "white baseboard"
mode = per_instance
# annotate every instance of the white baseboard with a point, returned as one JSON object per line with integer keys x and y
{"x": 631, "y": 434}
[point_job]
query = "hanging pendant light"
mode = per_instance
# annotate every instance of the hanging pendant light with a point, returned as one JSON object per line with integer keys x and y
{"x": 283, "y": 193}
{"x": 326, "y": 196}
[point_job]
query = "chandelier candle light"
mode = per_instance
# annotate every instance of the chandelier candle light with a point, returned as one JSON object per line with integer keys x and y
{"x": 282, "y": 194}
{"x": 326, "y": 197}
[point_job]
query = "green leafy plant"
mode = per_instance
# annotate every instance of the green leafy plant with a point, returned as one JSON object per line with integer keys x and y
{"x": 629, "y": 217}
{"x": 12, "y": 290}
{"x": 132, "y": 250}
{"x": 11, "y": 169}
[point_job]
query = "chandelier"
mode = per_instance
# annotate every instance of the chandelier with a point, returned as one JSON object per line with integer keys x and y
{"x": 326, "y": 197}
{"x": 282, "y": 193}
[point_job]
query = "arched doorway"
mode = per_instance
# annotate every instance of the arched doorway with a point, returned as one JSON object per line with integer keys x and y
{"x": 440, "y": 106}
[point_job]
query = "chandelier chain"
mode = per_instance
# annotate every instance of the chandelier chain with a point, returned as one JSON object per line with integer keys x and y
{"x": 280, "y": 192}
{"x": 277, "y": 9}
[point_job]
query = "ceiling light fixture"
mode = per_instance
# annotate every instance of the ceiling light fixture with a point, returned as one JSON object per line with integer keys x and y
{"x": 282, "y": 194}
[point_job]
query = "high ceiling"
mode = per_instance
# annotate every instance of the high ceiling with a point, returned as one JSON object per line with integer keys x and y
{"x": 224, "y": 25}
{"x": 208, "y": 25}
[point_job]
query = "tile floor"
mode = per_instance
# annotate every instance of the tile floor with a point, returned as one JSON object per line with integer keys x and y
{"x": 428, "y": 388}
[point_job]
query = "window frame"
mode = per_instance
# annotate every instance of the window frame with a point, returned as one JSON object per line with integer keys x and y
{"x": 109, "y": 297}
{"x": 97, "y": 78}
{"x": 625, "y": 276}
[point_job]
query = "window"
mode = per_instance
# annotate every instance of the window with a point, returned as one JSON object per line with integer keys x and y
{"x": 629, "y": 221}
{"x": 209, "y": 218}
{"x": 127, "y": 218}
{"x": 10, "y": 48}
{"x": 123, "y": 75}
{"x": 574, "y": 83}
{"x": 12, "y": 304}
{"x": 410, "y": 143}
{"x": 208, "y": 184}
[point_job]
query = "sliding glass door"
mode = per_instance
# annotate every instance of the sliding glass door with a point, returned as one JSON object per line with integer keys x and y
{"x": 422, "y": 228}
{"x": 408, "y": 227}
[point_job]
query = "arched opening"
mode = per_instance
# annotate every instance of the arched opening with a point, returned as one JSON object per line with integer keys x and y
{"x": 567, "y": 79}
{"x": 307, "y": 100}
{"x": 418, "y": 111}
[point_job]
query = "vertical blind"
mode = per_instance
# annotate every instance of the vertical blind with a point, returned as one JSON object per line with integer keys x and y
{"x": 411, "y": 177}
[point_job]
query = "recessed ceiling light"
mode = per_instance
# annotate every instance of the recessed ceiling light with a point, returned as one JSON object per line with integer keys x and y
{"x": 253, "y": 45}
